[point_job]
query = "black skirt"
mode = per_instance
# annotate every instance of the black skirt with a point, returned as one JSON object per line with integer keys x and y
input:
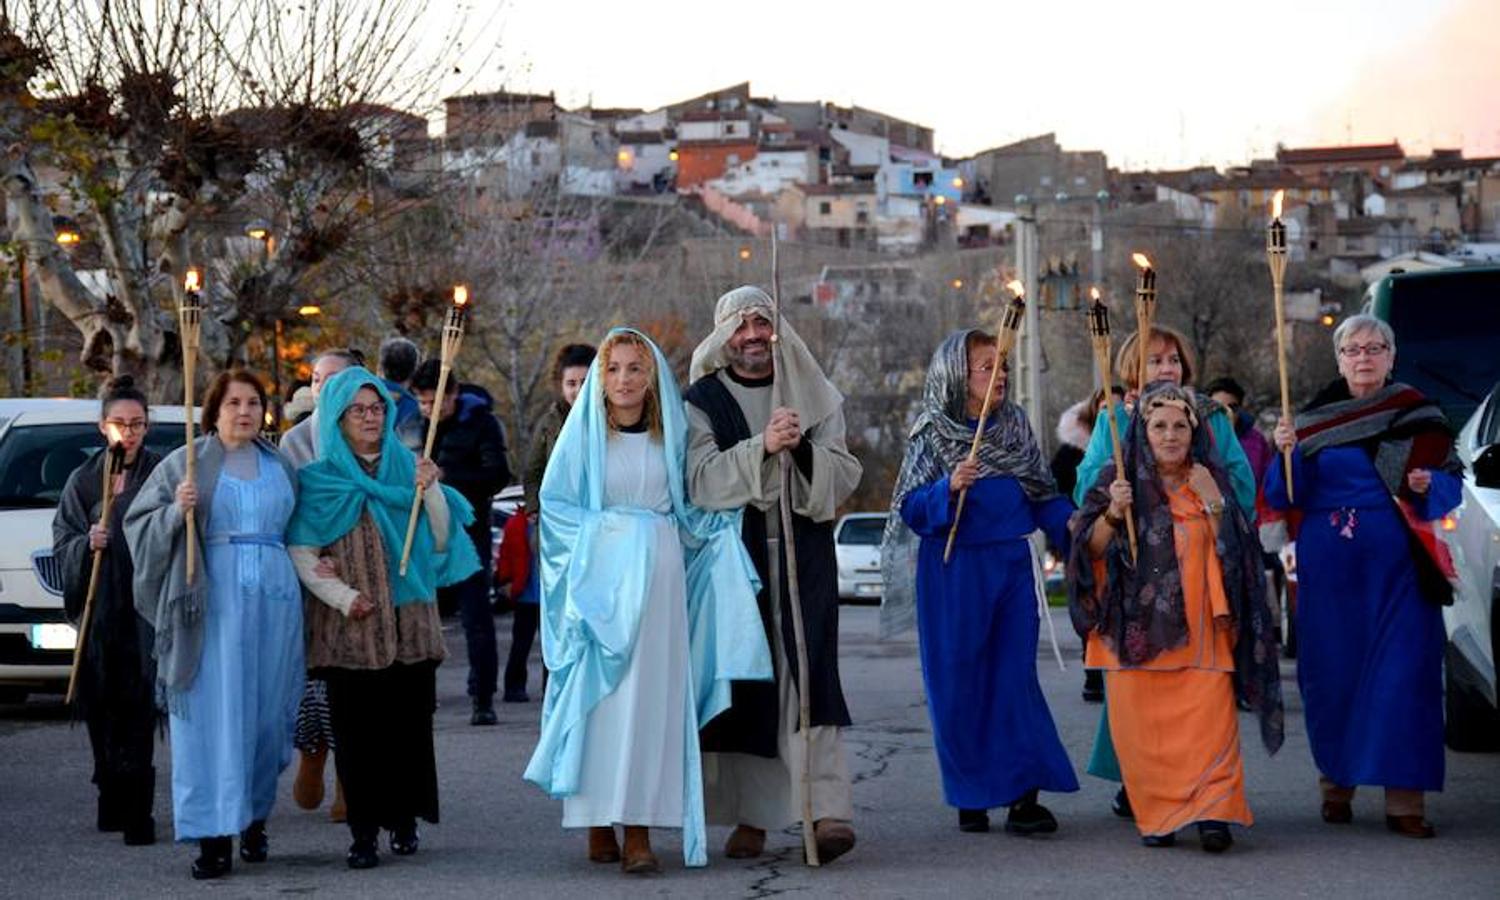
{"x": 382, "y": 724}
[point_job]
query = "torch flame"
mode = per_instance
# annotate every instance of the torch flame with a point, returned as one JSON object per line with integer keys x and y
{"x": 460, "y": 294}
{"x": 114, "y": 435}
{"x": 1141, "y": 260}
{"x": 1094, "y": 293}
{"x": 192, "y": 280}
{"x": 1017, "y": 287}
{"x": 1276, "y": 204}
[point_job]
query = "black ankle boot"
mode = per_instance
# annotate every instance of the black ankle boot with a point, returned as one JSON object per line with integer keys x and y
{"x": 254, "y": 845}
{"x": 405, "y": 839}
{"x": 214, "y": 858}
{"x": 364, "y": 853}
{"x": 108, "y": 817}
{"x": 137, "y": 799}
{"x": 1030, "y": 817}
{"x": 973, "y": 820}
{"x": 1214, "y": 837}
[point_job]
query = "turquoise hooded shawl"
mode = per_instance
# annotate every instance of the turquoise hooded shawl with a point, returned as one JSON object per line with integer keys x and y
{"x": 595, "y": 565}
{"x": 334, "y": 491}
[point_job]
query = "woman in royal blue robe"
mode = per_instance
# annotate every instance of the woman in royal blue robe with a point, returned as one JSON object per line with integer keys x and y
{"x": 977, "y": 615}
{"x": 1372, "y": 468}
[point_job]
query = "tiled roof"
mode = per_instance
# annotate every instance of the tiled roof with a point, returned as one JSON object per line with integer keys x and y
{"x": 1353, "y": 153}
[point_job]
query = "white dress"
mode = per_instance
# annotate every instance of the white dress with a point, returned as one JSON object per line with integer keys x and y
{"x": 633, "y": 753}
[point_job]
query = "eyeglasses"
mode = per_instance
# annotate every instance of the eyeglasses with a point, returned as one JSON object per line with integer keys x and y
{"x": 362, "y": 411}
{"x": 1355, "y": 351}
{"x": 135, "y": 427}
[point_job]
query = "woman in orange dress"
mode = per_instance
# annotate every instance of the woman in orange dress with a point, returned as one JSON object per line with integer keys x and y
{"x": 1184, "y": 629}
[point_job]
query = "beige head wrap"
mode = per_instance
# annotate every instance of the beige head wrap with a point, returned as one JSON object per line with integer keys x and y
{"x": 1169, "y": 397}
{"x": 803, "y": 385}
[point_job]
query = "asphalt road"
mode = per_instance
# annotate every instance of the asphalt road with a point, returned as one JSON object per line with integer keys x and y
{"x": 501, "y": 837}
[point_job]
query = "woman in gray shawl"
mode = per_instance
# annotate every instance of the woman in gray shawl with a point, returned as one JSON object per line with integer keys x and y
{"x": 977, "y": 613}
{"x": 228, "y": 642}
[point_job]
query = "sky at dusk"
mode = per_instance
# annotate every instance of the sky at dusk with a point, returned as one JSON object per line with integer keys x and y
{"x": 1158, "y": 83}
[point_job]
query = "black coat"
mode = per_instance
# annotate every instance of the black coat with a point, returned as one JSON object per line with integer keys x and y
{"x": 470, "y": 449}
{"x": 117, "y": 668}
{"x": 750, "y": 724}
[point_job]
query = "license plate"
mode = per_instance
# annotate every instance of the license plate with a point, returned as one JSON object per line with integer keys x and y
{"x": 867, "y": 589}
{"x": 54, "y": 636}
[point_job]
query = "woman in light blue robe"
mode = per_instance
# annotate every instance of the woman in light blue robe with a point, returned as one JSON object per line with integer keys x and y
{"x": 645, "y": 598}
{"x": 229, "y": 644}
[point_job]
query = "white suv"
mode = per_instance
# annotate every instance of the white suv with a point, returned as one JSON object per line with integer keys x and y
{"x": 1473, "y": 621}
{"x": 41, "y": 443}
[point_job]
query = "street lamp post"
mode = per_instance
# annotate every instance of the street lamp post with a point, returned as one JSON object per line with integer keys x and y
{"x": 260, "y": 230}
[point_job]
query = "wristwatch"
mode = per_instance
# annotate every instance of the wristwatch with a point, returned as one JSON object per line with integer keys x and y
{"x": 1215, "y": 506}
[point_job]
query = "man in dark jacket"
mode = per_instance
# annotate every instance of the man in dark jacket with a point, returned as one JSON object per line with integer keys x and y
{"x": 470, "y": 454}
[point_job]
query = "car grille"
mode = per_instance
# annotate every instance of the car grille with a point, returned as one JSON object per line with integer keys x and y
{"x": 48, "y": 571}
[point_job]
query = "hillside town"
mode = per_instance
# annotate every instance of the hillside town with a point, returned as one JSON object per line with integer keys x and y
{"x": 878, "y": 229}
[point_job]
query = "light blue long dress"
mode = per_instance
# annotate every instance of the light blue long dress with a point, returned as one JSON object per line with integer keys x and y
{"x": 232, "y": 735}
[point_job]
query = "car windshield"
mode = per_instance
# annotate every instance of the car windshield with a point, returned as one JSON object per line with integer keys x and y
{"x": 862, "y": 531}
{"x": 36, "y": 460}
{"x": 1449, "y": 357}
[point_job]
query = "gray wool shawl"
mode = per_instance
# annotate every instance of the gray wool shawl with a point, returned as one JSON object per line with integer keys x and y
{"x": 155, "y": 531}
{"x": 940, "y": 440}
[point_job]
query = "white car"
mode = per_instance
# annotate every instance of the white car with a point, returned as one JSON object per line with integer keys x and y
{"x": 1473, "y": 535}
{"x": 856, "y": 542}
{"x": 41, "y": 443}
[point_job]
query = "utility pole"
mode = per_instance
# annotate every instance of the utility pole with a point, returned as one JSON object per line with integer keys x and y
{"x": 1029, "y": 374}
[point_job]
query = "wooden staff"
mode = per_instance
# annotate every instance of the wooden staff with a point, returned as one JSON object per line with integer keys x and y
{"x": 190, "y": 325}
{"x": 1276, "y": 259}
{"x": 453, "y": 338}
{"x": 1005, "y": 341}
{"x": 1099, "y": 333}
{"x": 114, "y": 463}
{"x": 788, "y": 551}
{"x": 1145, "y": 315}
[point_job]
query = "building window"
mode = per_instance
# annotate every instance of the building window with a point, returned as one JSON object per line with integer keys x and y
{"x": 729, "y": 128}
{"x": 862, "y": 217}
{"x": 732, "y": 159}
{"x": 825, "y": 208}
{"x": 1433, "y": 208}
{"x": 922, "y": 179}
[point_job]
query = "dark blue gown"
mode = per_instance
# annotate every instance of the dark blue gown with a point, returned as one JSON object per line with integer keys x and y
{"x": 1370, "y": 661}
{"x": 977, "y": 620}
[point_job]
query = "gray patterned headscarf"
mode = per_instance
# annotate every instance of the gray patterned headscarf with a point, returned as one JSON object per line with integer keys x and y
{"x": 938, "y": 442}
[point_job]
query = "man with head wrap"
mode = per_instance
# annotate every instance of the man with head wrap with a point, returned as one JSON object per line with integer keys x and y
{"x": 753, "y": 754}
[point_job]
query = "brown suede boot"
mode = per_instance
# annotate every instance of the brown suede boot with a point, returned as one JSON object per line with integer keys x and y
{"x": 338, "y": 812}
{"x": 602, "y": 845}
{"x": 745, "y": 843}
{"x": 834, "y": 838}
{"x": 307, "y": 789}
{"x": 638, "y": 858}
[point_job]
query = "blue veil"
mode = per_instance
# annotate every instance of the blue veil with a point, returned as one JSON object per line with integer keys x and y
{"x": 594, "y": 566}
{"x": 334, "y": 492}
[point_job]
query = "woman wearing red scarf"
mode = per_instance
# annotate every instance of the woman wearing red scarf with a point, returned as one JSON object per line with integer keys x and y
{"x": 1372, "y": 468}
